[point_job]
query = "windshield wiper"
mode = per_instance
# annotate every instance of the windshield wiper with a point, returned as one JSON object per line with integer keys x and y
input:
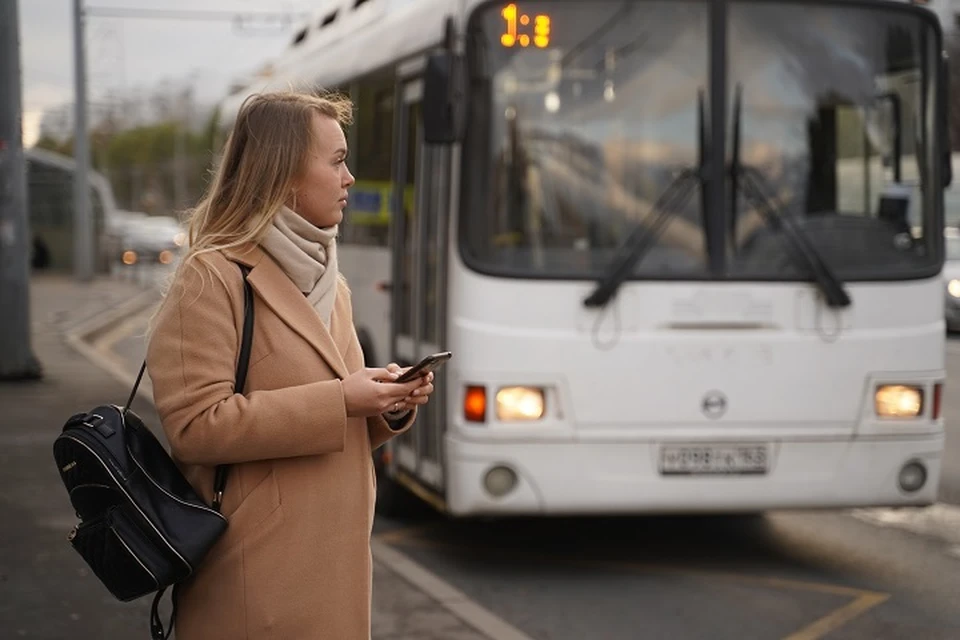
{"x": 754, "y": 186}
{"x": 641, "y": 239}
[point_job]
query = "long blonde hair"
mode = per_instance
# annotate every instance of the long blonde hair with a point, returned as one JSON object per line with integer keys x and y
{"x": 261, "y": 161}
{"x": 262, "y": 158}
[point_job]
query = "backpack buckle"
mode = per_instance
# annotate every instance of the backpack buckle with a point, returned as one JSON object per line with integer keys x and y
{"x": 96, "y": 421}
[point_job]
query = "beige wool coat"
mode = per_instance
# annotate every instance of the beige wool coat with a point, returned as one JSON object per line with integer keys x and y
{"x": 294, "y": 563}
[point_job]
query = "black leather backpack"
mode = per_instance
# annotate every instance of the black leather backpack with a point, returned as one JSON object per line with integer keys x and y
{"x": 142, "y": 526}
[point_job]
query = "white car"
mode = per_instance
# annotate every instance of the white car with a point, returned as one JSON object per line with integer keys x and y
{"x": 951, "y": 280}
{"x": 136, "y": 238}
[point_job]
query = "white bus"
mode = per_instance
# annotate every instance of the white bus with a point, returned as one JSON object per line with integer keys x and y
{"x": 686, "y": 253}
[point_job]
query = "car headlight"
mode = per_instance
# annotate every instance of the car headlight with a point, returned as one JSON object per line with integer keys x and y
{"x": 954, "y": 288}
{"x": 516, "y": 404}
{"x": 898, "y": 401}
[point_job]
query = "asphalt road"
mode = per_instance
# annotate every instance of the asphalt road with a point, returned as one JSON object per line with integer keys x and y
{"x": 797, "y": 576}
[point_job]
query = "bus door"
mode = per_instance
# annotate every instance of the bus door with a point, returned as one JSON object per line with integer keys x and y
{"x": 418, "y": 291}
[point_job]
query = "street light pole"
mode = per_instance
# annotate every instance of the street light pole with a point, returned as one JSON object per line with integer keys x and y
{"x": 82, "y": 219}
{"x": 17, "y": 360}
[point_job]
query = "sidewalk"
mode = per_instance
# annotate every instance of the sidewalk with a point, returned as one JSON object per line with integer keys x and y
{"x": 46, "y": 591}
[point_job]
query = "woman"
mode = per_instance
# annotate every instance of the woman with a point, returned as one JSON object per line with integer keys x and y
{"x": 295, "y": 559}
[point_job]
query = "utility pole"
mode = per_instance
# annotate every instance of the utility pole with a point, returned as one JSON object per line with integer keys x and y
{"x": 182, "y": 113}
{"x": 82, "y": 218}
{"x": 17, "y": 361}
{"x": 179, "y": 165}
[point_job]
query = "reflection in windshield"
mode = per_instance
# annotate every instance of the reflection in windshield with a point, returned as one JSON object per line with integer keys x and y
{"x": 570, "y": 142}
{"x": 585, "y": 135}
{"x": 644, "y": 236}
{"x": 833, "y": 117}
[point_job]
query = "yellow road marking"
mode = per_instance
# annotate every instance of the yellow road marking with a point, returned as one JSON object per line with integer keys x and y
{"x": 863, "y": 600}
{"x": 125, "y": 328}
{"x": 839, "y": 617}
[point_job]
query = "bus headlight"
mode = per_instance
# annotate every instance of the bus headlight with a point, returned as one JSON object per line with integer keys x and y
{"x": 519, "y": 403}
{"x": 954, "y": 288}
{"x": 129, "y": 257}
{"x": 898, "y": 401}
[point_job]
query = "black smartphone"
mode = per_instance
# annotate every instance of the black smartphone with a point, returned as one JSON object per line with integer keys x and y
{"x": 428, "y": 364}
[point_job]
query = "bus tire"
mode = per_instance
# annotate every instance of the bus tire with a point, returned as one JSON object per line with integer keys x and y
{"x": 40, "y": 256}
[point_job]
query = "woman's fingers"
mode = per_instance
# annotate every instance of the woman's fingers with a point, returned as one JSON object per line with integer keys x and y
{"x": 382, "y": 374}
{"x": 395, "y": 368}
{"x": 423, "y": 390}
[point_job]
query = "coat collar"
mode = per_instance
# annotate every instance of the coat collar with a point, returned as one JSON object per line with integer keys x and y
{"x": 281, "y": 294}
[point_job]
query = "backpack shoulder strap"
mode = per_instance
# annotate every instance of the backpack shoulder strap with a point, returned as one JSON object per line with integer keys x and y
{"x": 220, "y": 479}
{"x": 243, "y": 362}
{"x": 245, "y": 343}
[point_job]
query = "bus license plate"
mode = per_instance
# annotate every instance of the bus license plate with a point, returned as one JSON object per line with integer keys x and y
{"x": 713, "y": 459}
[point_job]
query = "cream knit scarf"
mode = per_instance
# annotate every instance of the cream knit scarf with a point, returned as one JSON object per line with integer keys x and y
{"x": 308, "y": 255}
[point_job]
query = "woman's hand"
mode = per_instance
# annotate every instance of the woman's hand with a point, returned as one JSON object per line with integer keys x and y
{"x": 370, "y": 392}
{"x": 419, "y": 396}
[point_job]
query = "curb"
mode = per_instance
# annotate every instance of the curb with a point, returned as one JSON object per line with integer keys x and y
{"x": 83, "y": 339}
{"x": 939, "y": 521}
{"x": 91, "y": 328}
{"x": 450, "y": 598}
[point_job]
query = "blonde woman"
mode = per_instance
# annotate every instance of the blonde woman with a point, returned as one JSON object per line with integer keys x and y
{"x": 295, "y": 559}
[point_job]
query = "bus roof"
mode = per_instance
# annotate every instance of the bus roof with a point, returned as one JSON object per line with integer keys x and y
{"x": 68, "y": 165}
{"x": 347, "y": 39}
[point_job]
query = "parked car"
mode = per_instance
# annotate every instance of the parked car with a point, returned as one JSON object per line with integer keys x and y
{"x": 136, "y": 238}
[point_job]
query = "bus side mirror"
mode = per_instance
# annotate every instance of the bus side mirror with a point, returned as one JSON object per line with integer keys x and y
{"x": 442, "y": 99}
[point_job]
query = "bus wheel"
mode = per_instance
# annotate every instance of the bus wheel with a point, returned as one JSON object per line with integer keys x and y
{"x": 40, "y": 258}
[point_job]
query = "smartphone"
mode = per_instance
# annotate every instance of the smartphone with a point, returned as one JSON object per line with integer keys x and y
{"x": 428, "y": 364}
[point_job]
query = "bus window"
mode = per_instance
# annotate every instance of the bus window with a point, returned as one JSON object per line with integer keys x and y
{"x": 367, "y": 218}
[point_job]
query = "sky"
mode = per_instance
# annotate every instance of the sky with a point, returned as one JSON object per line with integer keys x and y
{"x": 130, "y": 55}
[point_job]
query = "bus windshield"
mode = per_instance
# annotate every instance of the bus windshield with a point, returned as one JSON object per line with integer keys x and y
{"x": 582, "y": 113}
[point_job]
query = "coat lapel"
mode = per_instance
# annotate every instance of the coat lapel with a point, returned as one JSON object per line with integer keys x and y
{"x": 288, "y": 302}
{"x": 342, "y": 330}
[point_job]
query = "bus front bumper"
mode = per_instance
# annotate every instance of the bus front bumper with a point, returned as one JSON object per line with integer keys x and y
{"x": 625, "y": 477}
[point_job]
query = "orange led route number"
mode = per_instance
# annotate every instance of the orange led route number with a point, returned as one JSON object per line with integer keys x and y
{"x": 518, "y": 22}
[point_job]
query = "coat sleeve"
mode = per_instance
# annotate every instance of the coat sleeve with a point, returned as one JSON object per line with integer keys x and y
{"x": 381, "y": 430}
{"x": 191, "y": 359}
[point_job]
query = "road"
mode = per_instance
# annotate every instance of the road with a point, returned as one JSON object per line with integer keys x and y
{"x": 795, "y": 576}
{"x": 857, "y": 575}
